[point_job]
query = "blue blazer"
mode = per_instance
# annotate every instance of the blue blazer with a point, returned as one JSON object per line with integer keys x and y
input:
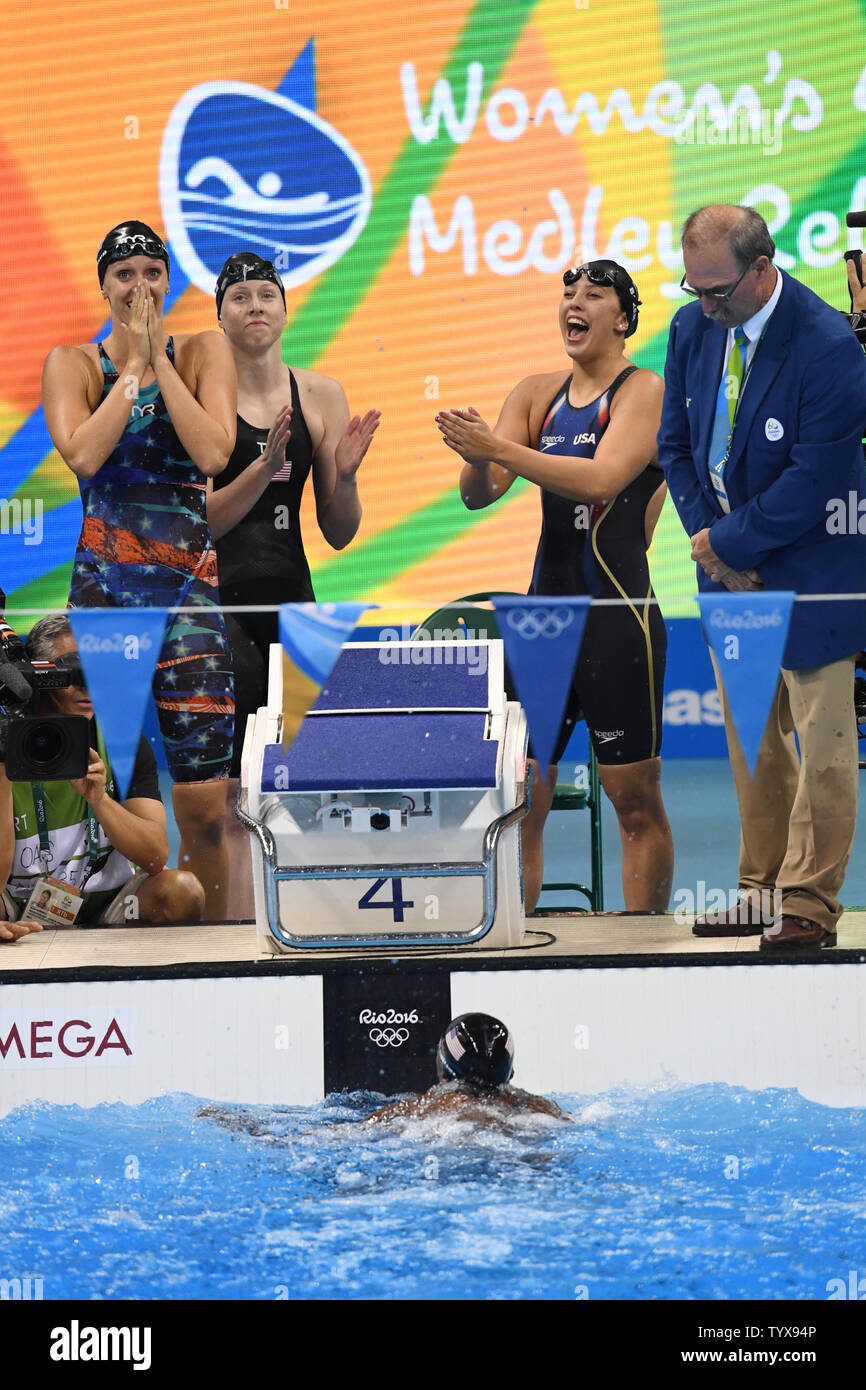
{"x": 795, "y": 476}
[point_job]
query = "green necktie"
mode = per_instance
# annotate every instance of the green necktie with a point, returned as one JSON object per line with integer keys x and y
{"x": 727, "y": 397}
{"x": 735, "y": 371}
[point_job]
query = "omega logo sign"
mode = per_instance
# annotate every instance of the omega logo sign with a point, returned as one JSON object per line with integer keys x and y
{"x": 97, "y": 1035}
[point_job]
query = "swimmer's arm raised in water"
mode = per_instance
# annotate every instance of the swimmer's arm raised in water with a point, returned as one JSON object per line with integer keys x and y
{"x": 497, "y": 457}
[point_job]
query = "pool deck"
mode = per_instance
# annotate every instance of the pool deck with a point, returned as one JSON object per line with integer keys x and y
{"x": 553, "y": 941}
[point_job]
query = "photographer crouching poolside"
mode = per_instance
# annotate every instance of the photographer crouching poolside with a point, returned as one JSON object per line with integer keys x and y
{"x": 77, "y": 835}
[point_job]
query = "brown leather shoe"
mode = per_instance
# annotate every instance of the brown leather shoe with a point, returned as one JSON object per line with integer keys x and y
{"x": 746, "y": 919}
{"x": 797, "y": 934}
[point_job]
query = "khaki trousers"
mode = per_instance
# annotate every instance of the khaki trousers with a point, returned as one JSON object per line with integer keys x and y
{"x": 798, "y": 811}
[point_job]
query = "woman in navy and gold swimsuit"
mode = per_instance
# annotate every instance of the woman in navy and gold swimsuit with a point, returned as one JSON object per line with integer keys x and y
{"x": 142, "y": 421}
{"x": 588, "y": 441}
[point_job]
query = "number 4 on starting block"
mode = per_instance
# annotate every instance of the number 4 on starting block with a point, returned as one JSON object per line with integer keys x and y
{"x": 396, "y": 903}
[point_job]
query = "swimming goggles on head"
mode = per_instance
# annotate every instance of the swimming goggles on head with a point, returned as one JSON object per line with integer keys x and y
{"x": 137, "y": 245}
{"x": 596, "y": 275}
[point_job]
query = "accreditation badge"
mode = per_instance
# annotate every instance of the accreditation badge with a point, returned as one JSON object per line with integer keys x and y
{"x": 53, "y": 903}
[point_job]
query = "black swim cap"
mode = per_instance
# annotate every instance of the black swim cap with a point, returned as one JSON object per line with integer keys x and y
{"x": 246, "y": 265}
{"x": 610, "y": 273}
{"x": 130, "y": 239}
{"x": 476, "y": 1048}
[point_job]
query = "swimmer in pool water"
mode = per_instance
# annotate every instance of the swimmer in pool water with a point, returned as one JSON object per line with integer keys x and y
{"x": 474, "y": 1063}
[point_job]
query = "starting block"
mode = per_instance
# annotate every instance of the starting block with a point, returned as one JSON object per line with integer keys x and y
{"x": 393, "y": 817}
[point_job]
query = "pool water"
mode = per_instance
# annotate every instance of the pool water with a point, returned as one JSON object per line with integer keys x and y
{"x": 669, "y": 1192}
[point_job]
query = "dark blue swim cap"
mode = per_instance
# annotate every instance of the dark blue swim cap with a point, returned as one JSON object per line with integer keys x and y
{"x": 246, "y": 265}
{"x": 130, "y": 239}
{"x": 476, "y": 1048}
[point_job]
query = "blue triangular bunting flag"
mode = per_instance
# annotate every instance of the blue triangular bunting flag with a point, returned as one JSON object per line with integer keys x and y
{"x": 748, "y": 632}
{"x": 312, "y": 636}
{"x": 119, "y": 648}
{"x": 542, "y": 638}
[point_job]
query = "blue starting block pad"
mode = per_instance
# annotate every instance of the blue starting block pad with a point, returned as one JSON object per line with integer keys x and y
{"x": 393, "y": 818}
{"x": 383, "y": 752}
{"x": 372, "y": 676}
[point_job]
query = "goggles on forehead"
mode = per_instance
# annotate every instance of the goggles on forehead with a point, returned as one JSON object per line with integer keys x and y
{"x": 243, "y": 270}
{"x": 239, "y": 271}
{"x": 596, "y": 275}
{"x": 135, "y": 245}
{"x": 615, "y": 278}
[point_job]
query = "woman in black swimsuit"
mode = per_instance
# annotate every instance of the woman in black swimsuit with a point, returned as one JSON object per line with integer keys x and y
{"x": 291, "y": 423}
{"x": 588, "y": 441}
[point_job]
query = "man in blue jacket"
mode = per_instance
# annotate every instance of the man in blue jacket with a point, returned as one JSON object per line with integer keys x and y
{"x": 764, "y": 409}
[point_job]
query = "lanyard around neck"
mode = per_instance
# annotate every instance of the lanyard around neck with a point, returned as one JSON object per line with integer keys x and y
{"x": 747, "y": 367}
{"x": 45, "y": 843}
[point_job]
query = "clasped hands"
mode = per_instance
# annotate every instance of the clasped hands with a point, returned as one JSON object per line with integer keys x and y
{"x": 348, "y": 455}
{"x": 717, "y": 570}
{"x": 468, "y": 435}
{"x": 145, "y": 331}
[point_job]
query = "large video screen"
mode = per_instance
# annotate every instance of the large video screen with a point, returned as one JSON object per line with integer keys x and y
{"x": 425, "y": 173}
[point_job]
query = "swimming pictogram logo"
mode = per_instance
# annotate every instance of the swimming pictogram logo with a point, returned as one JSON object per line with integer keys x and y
{"x": 246, "y": 168}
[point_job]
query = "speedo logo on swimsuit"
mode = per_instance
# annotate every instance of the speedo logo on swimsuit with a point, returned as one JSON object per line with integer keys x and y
{"x": 548, "y": 440}
{"x": 584, "y": 439}
{"x": 608, "y": 735}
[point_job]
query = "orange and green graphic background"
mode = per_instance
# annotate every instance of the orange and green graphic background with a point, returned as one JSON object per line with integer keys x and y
{"x": 407, "y": 344}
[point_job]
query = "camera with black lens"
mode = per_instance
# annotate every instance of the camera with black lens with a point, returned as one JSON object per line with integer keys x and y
{"x": 44, "y": 748}
{"x": 38, "y": 747}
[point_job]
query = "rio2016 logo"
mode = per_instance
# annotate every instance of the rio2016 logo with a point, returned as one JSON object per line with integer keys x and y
{"x": 387, "y": 1030}
{"x": 247, "y": 169}
{"x": 390, "y": 1016}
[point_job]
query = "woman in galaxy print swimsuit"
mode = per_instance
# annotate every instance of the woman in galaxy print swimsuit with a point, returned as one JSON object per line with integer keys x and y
{"x": 143, "y": 420}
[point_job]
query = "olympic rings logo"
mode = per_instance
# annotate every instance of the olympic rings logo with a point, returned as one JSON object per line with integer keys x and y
{"x": 530, "y": 623}
{"x": 388, "y": 1037}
